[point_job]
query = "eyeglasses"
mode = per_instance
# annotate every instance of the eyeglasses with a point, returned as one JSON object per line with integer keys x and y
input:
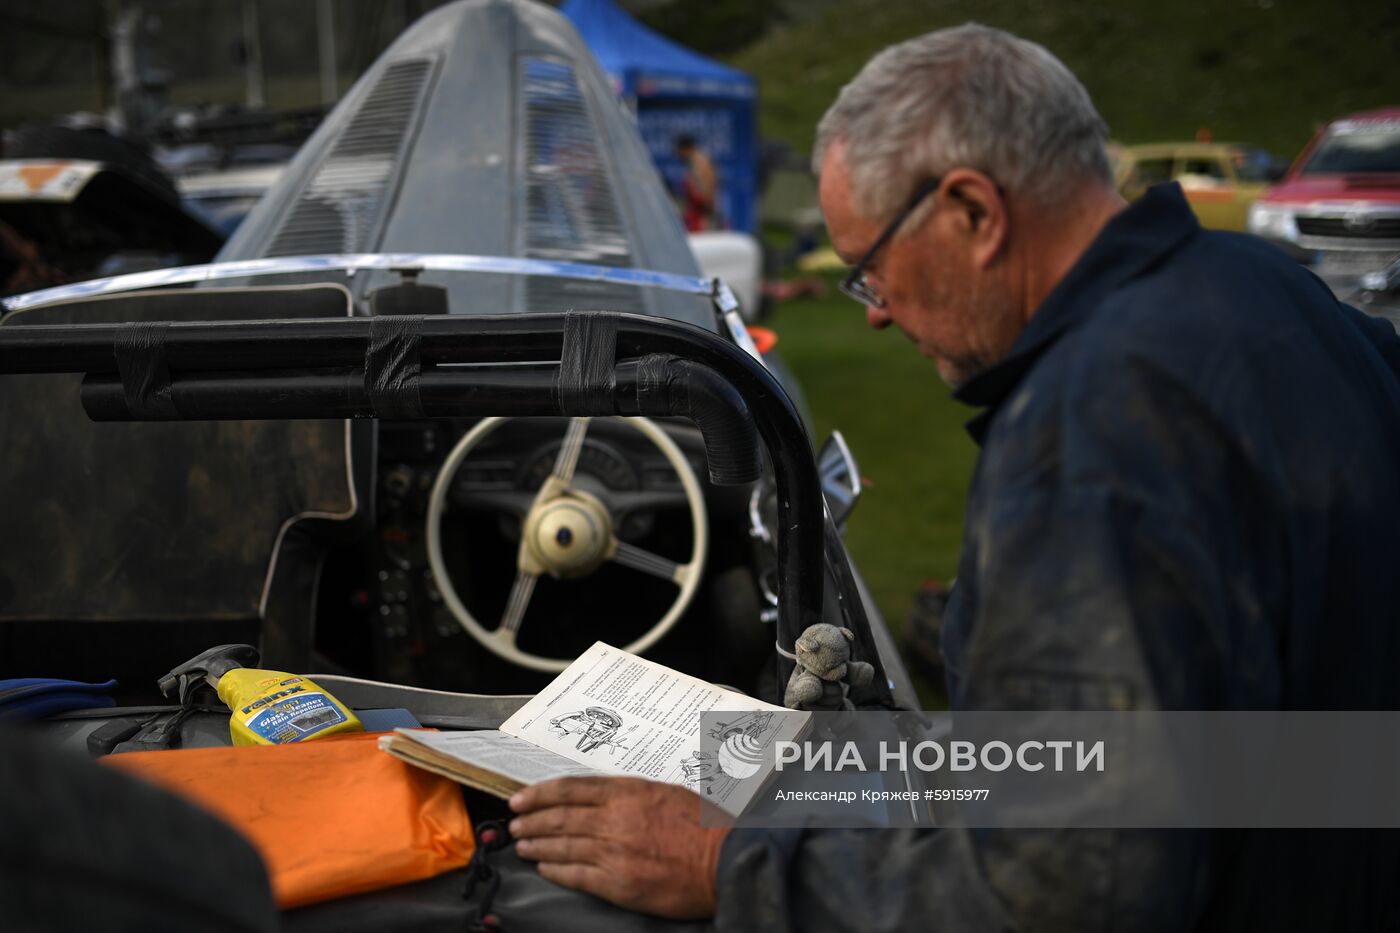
{"x": 856, "y": 285}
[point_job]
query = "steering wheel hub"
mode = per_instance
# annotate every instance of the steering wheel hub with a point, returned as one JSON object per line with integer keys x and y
{"x": 568, "y": 536}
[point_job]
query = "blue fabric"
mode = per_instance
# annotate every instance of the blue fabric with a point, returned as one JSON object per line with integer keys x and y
{"x": 383, "y": 720}
{"x": 633, "y": 53}
{"x": 38, "y": 697}
{"x": 1188, "y": 497}
{"x": 677, "y": 90}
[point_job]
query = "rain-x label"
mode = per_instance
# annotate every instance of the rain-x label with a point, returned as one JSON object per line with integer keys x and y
{"x": 291, "y": 715}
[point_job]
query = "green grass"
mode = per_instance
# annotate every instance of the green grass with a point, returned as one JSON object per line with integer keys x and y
{"x": 906, "y": 433}
{"x": 1261, "y": 71}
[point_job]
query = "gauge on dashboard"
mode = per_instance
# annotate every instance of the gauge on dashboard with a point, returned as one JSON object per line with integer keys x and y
{"x": 598, "y": 460}
{"x": 601, "y": 469}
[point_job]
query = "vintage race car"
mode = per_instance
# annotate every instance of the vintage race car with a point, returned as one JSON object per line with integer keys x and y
{"x": 379, "y": 436}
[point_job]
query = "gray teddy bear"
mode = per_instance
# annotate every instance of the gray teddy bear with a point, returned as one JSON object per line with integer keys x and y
{"x": 824, "y": 662}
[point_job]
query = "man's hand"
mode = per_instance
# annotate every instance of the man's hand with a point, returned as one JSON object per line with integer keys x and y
{"x": 639, "y": 844}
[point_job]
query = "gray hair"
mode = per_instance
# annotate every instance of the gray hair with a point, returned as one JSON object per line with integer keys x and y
{"x": 970, "y": 96}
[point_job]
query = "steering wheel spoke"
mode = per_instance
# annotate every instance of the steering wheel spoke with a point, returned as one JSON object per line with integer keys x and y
{"x": 500, "y": 640}
{"x": 567, "y": 460}
{"x": 517, "y": 603}
{"x": 653, "y": 564}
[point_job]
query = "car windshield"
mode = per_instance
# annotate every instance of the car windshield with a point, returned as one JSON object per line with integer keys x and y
{"x": 1357, "y": 147}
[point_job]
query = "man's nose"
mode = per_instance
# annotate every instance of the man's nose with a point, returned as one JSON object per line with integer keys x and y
{"x": 877, "y": 318}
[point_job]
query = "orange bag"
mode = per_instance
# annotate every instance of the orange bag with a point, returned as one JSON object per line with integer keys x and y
{"x": 332, "y": 817}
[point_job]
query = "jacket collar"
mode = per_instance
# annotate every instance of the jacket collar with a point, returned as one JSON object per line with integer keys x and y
{"x": 1133, "y": 241}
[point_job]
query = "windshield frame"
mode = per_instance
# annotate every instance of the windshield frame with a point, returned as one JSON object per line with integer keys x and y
{"x": 352, "y": 263}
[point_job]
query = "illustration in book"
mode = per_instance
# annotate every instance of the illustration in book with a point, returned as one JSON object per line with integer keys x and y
{"x": 595, "y": 726}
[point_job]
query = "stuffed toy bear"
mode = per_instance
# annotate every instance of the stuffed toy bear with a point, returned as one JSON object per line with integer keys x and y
{"x": 824, "y": 664}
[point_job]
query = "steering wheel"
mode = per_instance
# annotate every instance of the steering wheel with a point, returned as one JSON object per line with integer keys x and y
{"x": 568, "y": 533}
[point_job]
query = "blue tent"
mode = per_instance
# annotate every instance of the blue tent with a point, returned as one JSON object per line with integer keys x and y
{"x": 674, "y": 90}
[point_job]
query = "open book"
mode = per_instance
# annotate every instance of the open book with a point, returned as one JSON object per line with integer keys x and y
{"x": 612, "y": 712}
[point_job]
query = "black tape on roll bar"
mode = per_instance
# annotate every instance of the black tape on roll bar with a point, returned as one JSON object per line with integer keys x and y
{"x": 140, "y": 353}
{"x": 669, "y": 385}
{"x": 392, "y": 366}
{"x": 653, "y": 382}
{"x": 586, "y": 379}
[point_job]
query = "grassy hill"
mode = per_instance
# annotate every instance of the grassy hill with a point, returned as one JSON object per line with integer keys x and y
{"x": 1261, "y": 71}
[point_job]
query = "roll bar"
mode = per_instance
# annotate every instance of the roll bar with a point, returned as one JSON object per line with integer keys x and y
{"x": 408, "y": 368}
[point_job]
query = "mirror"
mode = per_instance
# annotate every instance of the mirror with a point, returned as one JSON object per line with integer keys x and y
{"x": 840, "y": 478}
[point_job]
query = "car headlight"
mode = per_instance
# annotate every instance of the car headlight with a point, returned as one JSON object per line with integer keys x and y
{"x": 1270, "y": 220}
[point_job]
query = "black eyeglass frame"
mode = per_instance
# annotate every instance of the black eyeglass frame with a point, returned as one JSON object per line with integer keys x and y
{"x": 854, "y": 285}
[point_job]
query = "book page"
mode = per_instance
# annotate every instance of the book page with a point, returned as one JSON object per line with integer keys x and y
{"x": 622, "y": 714}
{"x": 502, "y": 754}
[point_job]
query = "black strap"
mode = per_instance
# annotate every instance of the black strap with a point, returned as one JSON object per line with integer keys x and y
{"x": 140, "y": 352}
{"x": 586, "y": 379}
{"x": 157, "y": 733}
{"x": 392, "y": 366}
{"x": 484, "y": 877}
{"x": 106, "y": 737}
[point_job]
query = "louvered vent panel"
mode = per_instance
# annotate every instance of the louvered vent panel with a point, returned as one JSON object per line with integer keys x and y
{"x": 340, "y": 209}
{"x": 570, "y": 209}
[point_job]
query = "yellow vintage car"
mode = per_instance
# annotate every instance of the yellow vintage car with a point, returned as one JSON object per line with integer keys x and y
{"x": 1221, "y": 180}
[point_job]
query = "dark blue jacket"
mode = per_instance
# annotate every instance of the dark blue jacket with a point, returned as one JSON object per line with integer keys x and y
{"x": 1188, "y": 497}
{"x": 1189, "y": 489}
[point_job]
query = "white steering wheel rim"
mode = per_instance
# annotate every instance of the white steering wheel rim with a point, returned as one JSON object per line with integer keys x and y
{"x": 495, "y": 640}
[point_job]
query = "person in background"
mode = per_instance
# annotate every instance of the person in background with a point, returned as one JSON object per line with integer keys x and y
{"x": 699, "y": 186}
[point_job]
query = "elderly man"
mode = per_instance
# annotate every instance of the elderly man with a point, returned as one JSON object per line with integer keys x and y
{"x": 1188, "y": 497}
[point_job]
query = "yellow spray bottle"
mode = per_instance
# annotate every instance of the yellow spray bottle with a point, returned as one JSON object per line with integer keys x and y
{"x": 267, "y": 707}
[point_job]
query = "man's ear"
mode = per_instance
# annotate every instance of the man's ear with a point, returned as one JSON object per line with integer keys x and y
{"x": 980, "y": 211}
